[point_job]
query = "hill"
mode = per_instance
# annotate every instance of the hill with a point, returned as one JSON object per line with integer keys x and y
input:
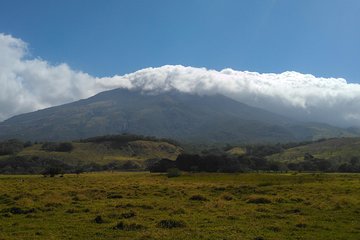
{"x": 126, "y": 152}
{"x": 337, "y": 150}
{"x": 180, "y": 116}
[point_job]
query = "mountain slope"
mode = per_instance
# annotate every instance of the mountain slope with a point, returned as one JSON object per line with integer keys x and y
{"x": 185, "y": 117}
{"x": 335, "y": 149}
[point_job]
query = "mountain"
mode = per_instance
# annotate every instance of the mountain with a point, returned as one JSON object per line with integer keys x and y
{"x": 180, "y": 116}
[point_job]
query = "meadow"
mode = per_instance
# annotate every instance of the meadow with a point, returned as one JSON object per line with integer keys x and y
{"x": 113, "y": 205}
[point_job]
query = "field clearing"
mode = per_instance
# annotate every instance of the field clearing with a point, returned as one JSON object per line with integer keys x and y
{"x": 193, "y": 206}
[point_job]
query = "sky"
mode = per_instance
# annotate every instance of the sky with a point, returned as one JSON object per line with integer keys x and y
{"x": 297, "y": 58}
{"x": 105, "y": 38}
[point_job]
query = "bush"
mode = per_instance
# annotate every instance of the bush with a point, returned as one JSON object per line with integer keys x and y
{"x": 52, "y": 172}
{"x": 65, "y": 147}
{"x": 114, "y": 195}
{"x": 258, "y": 200}
{"x": 171, "y": 223}
{"x": 198, "y": 198}
{"x": 173, "y": 172}
{"x": 32, "y": 165}
{"x": 227, "y": 197}
{"x": 301, "y": 225}
{"x": 131, "y": 165}
{"x": 11, "y": 146}
{"x": 49, "y": 146}
{"x": 17, "y": 210}
{"x": 160, "y": 165}
{"x": 129, "y": 214}
{"x": 57, "y": 147}
{"x": 27, "y": 144}
{"x": 98, "y": 220}
{"x": 78, "y": 171}
{"x": 128, "y": 227}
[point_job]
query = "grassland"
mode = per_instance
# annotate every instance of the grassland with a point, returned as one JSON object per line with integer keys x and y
{"x": 336, "y": 150}
{"x": 193, "y": 206}
{"x": 102, "y": 153}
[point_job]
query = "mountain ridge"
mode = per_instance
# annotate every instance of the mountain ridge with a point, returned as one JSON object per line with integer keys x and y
{"x": 181, "y": 116}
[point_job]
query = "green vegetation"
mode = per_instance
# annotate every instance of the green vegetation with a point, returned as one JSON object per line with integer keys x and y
{"x": 191, "y": 206}
{"x": 57, "y": 147}
{"x": 186, "y": 117}
{"x": 336, "y": 150}
{"x": 138, "y": 153}
{"x": 337, "y": 154}
{"x": 123, "y": 152}
{"x": 11, "y": 146}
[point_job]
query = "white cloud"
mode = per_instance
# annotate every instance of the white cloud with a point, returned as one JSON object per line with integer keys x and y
{"x": 31, "y": 84}
{"x": 302, "y": 96}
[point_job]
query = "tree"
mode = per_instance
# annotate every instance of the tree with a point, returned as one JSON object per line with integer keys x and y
{"x": 173, "y": 172}
{"x": 52, "y": 171}
{"x": 65, "y": 147}
{"x": 78, "y": 171}
{"x": 188, "y": 162}
{"x": 354, "y": 161}
{"x": 10, "y": 147}
{"x": 162, "y": 165}
{"x": 130, "y": 165}
{"x": 57, "y": 147}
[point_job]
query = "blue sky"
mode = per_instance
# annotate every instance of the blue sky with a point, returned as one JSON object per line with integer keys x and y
{"x": 104, "y": 38}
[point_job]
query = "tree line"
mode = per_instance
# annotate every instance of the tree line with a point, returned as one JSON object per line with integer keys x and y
{"x": 207, "y": 160}
{"x": 250, "y": 163}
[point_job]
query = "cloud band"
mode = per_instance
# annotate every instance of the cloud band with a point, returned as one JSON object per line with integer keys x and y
{"x": 32, "y": 84}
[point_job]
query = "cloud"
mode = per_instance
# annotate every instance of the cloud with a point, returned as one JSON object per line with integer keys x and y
{"x": 31, "y": 84}
{"x": 28, "y": 84}
{"x": 301, "y": 96}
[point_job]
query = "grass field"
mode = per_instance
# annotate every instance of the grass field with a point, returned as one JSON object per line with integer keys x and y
{"x": 102, "y": 154}
{"x": 336, "y": 150}
{"x": 192, "y": 206}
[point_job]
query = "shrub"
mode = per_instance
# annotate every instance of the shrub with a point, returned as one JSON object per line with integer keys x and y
{"x": 52, "y": 171}
{"x": 72, "y": 211}
{"x": 78, "y": 171}
{"x": 227, "y": 197}
{"x": 128, "y": 227}
{"x": 65, "y": 147}
{"x": 98, "y": 219}
{"x": 301, "y": 225}
{"x": 160, "y": 165}
{"x": 128, "y": 214}
{"x": 258, "y": 200}
{"x": 259, "y": 238}
{"x": 179, "y": 211}
{"x": 27, "y": 144}
{"x": 57, "y": 147}
{"x": 173, "y": 172}
{"x": 11, "y": 146}
{"x": 131, "y": 165}
{"x": 49, "y": 146}
{"x": 198, "y": 198}
{"x": 171, "y": 223}
{"x": 114, "y": 195}
{"x": 17, "y": 210}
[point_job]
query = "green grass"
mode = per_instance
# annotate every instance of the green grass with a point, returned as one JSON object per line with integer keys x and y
{"x": 337, "y": 149}
{"x": 102, "y": 154}
{"x": 192, "y": 206}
